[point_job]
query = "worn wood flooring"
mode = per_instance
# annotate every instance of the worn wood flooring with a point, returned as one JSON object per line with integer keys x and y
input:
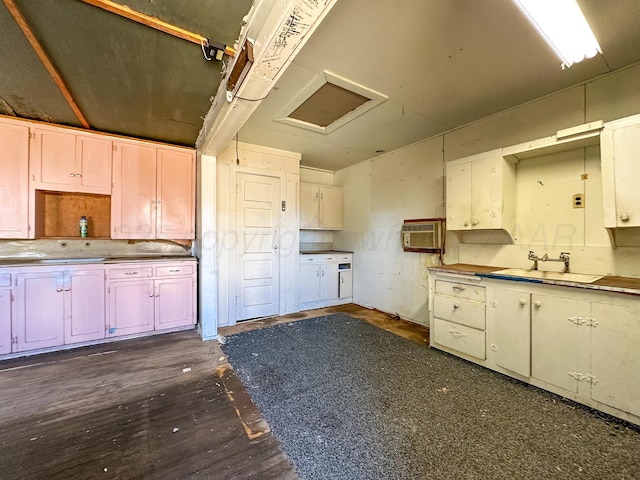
{"x": 166, "y": 407}
{"x": 412, "y": 331}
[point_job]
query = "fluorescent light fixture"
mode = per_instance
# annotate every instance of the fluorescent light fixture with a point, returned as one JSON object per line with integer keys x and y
{"x": 564, "y": 27}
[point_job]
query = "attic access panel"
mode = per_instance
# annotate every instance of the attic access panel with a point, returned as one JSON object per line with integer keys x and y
{"x": 329, "y": 102}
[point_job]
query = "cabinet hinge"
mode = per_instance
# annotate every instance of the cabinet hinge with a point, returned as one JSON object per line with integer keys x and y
{"x": 577, "y": 320}
{"x": 583, "y": 377}
{"x": 586, "y": 321}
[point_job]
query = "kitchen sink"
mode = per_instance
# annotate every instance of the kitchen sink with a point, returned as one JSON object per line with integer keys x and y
{"x": 71, "y": 260}
{"x": 542, "y": 275}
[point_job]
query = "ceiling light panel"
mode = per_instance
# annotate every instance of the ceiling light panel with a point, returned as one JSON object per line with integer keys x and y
{"x": 564, "y": 27}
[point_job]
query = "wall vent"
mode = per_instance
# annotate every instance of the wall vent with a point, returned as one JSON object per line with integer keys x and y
{"x": 329, "y": 102}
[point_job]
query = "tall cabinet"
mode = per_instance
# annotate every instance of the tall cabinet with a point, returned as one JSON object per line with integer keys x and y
{"x": 14, "y": 180}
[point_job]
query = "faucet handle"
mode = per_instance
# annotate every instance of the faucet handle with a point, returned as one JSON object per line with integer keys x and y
{"x": 564, "y": 254}
{"x": 531, "y": 255}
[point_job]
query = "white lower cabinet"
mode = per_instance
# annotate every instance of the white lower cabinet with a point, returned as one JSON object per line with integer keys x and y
{"x": 325, "y": 280}
{"x": 615, "y": 356}
{"x": 145, "y": 297}
{"x": 511, "y": 344}
{"x": 459, "y": 318}
{"x": 6, "y": 300}
{"x": 579, "y": 343}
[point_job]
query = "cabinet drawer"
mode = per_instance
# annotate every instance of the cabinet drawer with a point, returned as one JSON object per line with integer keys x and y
{"x": 5, "y": 279}
{"x": 458, "y": 337}
{"x": 131, "y": 272}
{"x": 177, "y": 269}
{"x": 345, "y": 258}
{"x": 306, "y": 259}
{"x": 459, "y": 310}
{"x": 461, "y": 290}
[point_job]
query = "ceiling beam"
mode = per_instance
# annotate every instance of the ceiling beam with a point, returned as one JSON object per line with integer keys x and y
{"x": 155, "y": 23}
{"x": 278, "y": 30}
{"x": 24, "y": 26}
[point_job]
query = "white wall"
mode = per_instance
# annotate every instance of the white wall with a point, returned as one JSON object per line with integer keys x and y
{"x": 379, "y": 195}
{"x": 261, "y": 161}
{"x": 407, "y": 183}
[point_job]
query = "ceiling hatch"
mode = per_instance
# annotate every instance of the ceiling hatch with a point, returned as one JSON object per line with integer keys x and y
{"x": 329, "y": 102}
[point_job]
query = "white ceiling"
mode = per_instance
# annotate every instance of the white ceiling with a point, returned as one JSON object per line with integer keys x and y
{"x": 442, "y": 63}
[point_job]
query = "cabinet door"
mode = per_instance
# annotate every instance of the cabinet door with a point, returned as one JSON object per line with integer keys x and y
{"x": 346, "y": 284}
{"x": 459, "y": 196}
{"x": 133, "y": 202}
{"x": 85, "y": 312}
{"x": 14, "y": 180}
{"x": 93, "y": 165}
{"x": 620, "y": 147}
{"x": 130, "y": 307}
{"x": 309, "y": 206}
{"x": 174, "y": 303}
{"x": 175, "y": 194}
{"x": 512, "y": 330}
{"x": 615, "y": 357}
{"x": 5, "y": 320}
{"x": 39, "y": 313}
{"x": 329, "y": 281}
{"x": 486, "y": 192}
{"x": 53, "y": 160}
{"x": 330, "y": 208}
{"x": 554, "y": 339}
{"x": 309, "y": 283}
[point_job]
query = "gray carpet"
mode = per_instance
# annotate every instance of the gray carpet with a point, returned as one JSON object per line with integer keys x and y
{"x": 350, "y": 401}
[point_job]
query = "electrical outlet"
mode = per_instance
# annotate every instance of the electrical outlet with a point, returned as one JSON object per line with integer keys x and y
{"x": 578, "y": 200}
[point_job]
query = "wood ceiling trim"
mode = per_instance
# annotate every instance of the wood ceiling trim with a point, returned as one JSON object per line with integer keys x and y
{"x": 37, "y": 48}
{"x": 153, "y": 22}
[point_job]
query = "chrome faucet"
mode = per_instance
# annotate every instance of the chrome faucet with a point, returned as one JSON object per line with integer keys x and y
{"x": 564, "y": 257}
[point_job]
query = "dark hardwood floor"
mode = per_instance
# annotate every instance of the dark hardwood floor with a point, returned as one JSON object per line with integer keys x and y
{"x": 167, "y": 406}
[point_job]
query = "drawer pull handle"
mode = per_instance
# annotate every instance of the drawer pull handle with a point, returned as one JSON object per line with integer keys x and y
{"x": 456, "y": 306}
{"x": 130, "y": 273}
{"x": 456, "y": 333}
{"x": 456, "y": 287}
{"x": 174, "y": 270}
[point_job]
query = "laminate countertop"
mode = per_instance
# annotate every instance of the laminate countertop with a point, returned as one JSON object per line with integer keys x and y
{"x": 52, "y": 262}
{"x": 608, "y": 283}
{"x": 324, "y": 252}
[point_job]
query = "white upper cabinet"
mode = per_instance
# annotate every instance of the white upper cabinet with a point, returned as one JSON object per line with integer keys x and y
{"x": 481, "y": 192}
{"x": 320, "y": 207}
{"x": 620, "y": 157}
{"x": 14, "y": 180}
{"x": 66, "y": 161}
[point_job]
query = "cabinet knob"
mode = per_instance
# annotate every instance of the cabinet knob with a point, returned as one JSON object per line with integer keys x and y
{"x": 58, "y": 289}
{"x": 523, "y": 302}
{"x": 72, "y": 174}
{"x": 474, "y": 222}
{"x": 537, "y": 304}
{"x": 466, "y": 224}
{"x": 624, "y": 217}
{"x": 67, "y": 289}
{"x": 151, "y": 295}
{"x": 456, "y": 306}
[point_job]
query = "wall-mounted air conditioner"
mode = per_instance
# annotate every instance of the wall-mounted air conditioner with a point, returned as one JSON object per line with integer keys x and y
{"x": 423, "y": 235}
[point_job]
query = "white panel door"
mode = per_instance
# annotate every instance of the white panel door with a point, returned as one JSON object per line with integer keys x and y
{"x": 615, "y": 356}
{"x": 554, "y": 339}
{"x": 512, "y": 314}
{"x": 258, "y": 225}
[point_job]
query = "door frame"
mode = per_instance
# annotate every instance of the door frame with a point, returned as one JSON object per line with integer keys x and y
{"x": 229, "y": 249}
